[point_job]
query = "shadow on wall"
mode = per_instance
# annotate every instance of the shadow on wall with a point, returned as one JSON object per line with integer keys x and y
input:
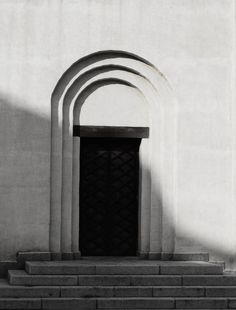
{"x": 24, "y": 181}
{"x": 216, "y": 252}
{"x": 25, "y": 189}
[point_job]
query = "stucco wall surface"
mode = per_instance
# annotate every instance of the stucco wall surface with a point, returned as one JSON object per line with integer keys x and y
{"x": 190, "y": 41}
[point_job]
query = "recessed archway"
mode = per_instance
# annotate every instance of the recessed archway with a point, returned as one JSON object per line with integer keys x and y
{"x": 158, "y": 165}
{"x": 144, "y": 208}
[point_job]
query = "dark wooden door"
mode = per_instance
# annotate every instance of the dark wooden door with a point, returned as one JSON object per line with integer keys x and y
{"x": 109, "y": 175}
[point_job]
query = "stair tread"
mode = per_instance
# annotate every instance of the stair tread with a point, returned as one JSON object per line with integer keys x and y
{"x": 112, "y": 266}
{"x": 7, "y": 285}
{"x": 120, "y": 262}
{"x": 24, "y": 274}
{"x": 20, "y": 277}
{"x": 117, "y": 298}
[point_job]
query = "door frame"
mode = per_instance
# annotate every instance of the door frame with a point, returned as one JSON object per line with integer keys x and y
{"x": 144, "y": 172}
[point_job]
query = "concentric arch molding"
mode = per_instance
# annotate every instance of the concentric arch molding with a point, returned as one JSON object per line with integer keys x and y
{"x": 157, "y": 157}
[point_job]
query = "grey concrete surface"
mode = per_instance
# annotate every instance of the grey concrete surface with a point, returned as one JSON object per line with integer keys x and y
{"x": 20, "y": 303}
{"x": 228, "y": 280}
{"x": 103, "y": 280}
{"x": 107, "y": 291}
{"x": 9, "y": 291}
{"x": 156, "y": 281}
{"x": 113, "y": 266}
{"x": 20, "y": 277}
{"x": 68, "y": 303}
{"x": 154, "y": 303}
{"x": 180, "y": 291}
{"x": 198, "y": 303}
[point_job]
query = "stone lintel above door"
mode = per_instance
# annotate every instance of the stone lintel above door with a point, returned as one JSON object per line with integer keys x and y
{"x": 110, "y": 131}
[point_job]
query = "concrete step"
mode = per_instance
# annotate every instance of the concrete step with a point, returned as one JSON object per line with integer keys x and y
{"x": 108, "y": 303}
{"x": 86, "y": 267}
{"x": 123, "y": 267}
{"x": 220, "y": 291}
{"x": 20, "y": 277}
{"x": 132, "y": 291}
{"x": 20, "y": 303}
{"x": 162, "y": 303}
{"x": 135, "y": 280}
{"x": 69, "y": 303}
{"x": 165, "y": 303}
{"x": 228, "y": 279}
{"x": 190, "y": 268}
{"x": 121, "y": 285}
{"x": 201, "y": 303}
{"x": 7, "y": 290}
{"x": 118, "y": 303}
{"x": 11, "y": 291}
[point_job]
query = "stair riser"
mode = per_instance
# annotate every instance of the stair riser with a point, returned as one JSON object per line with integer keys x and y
{"x": 22, "y": 303}
{"x": 59, "y": 270}
{"x": 189, "y": 270}
{"x": 21, "y": 278}
{"x": 42, "y": 280}
{"x": 29, "y": 292}
{"x": 69, "y": 304}
{"x": 33, "y": 268}
{"x": 132, "y": 280}
{"x": 221, "y": 292}
{"x": 106, "y": 292}
{"x": 131, "y": 292}
{"x": 121, "y": 303}
{"x": 209, "y": 280}
{"x": 92, "y": 270}
{"x": 117, "y": 303}
{"x": 76, "y": 291}
{"x": 200, "y": 303}
{"x": 126, "y": 281}
{"x": 164, "y": 303}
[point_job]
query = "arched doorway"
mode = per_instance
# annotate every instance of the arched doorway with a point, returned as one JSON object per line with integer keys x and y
{"x": 156, "y": 218}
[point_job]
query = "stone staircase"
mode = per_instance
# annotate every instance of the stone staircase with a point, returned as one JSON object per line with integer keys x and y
{"x": 118, "y": 284}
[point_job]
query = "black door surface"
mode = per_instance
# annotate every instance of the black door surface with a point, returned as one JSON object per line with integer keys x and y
{"x": 109, "y": 173}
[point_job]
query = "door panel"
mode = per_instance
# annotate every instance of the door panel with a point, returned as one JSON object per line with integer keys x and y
{"x": 109, "y": 173}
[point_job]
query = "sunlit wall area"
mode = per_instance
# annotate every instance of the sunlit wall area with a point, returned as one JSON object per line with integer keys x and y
{"x": 192, "y": 44}
{"x": 115, "y": 105}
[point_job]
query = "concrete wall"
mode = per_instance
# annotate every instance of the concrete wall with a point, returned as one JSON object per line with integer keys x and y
{"x": 190, "y": 41}
{"x": 115, "y": 105}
